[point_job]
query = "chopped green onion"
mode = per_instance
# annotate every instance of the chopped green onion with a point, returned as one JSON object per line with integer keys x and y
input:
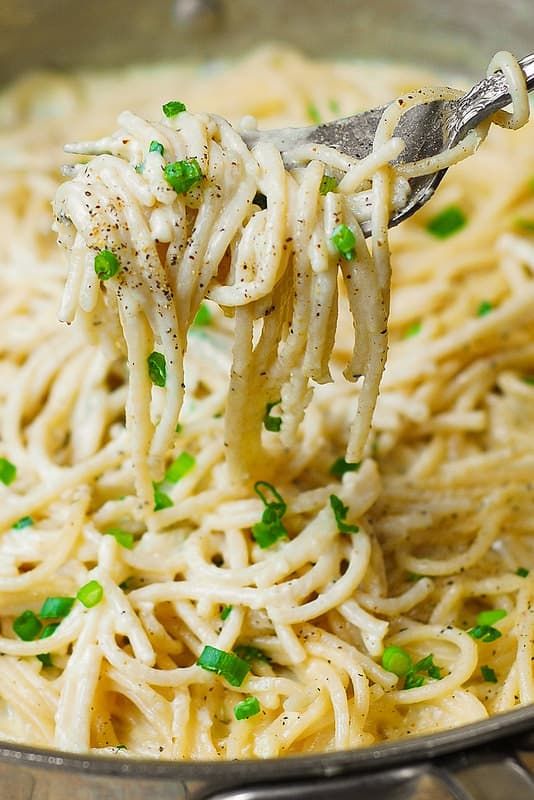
{"x": 412, "y": 330}
{"x": 486, "y": 633}
{"x": 340, "y": 513}
{"x": 203, "y": 316}
{"x": 413, "y": 680}
{"x": 397, "y": 660}
{"x": 124, "y": 538}
{"x": 413, "y": 576}
{"x": 45, "y": 659}
{"x": 334, "y": 106}
{"x": 267, "y": 533}
{"x": 56, "y": 607}
{"x": 488, "y": 674}
{"x": 139, "y": 168}
{"x": 179, "y": 428}
{"x": 522, "y": 572}
{"x": 180, "y": 467}
{"x": 271, "y": 527}
{"x": 157, "y": 368}
{"x": 91, "y": 594}
{"x": 156, "y": 147}
{"x": 313, "y": 113}
{"x": 161, "y": 498}
{"x": 248, "y": 707}
{"x": 249, "y": 653}
{"x": 106, "y": 265}
{"x": 279, "y": 505}
{"x": 225, "y": 612}
{"x": 328, "y": 184}
{"x": 447, "y": 222}
{"x": 340, "y": 466}
{"x": 427, "y": 665}
{"x": 529, "y": 379}
{"x": 491, "y": 616}
{"x": 23, "y": 522}
{"x": 8, "y": 471}
{"x": 48, "y": 630}
{"x": 183, "y": 175}
{"x": 27, "y": 626}
{"x": 271, "y": 423}
{"x": 173, "y": 107}
{"x": 525, "y": 224}
{"x": 228, "y": 665}
{"x": 484, "y": 308}
{"x": 120, "y": 747}
{"x": 344, "y": 241}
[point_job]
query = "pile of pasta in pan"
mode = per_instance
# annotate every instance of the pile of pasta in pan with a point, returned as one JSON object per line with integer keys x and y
{"x": 207, "y": 551}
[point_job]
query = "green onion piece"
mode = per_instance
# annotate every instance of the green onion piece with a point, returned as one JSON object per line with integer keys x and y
{"x": 427, "y": 665}
{"x": 267, "y": 533}
{"x": 161, "y": 498}
{"x": 340, "y": 466}
{"x": 279, "y": 505}
{"x": 8, "y": 471}
{"x": 313, "y": 113}
{"x": 248, "y": 707}
{"x": 203, "y": 316}
{"x": 413, "y": 576}
{"x": 106, "y": 265}
{"x": 124, "y": 538}
{"x": 491, "y": 616}
{"x": 23, "y": 522}
{"x": 447, "y": 222}
{"x": 91, "y": 594}
{"x": 488, "y": 674}
{"x": 173, "y": 107}
{"x": 413, "y": 680}
{"x": 249, "y": 653}
{"x": 271, "y": 527}
{"x": 139, "y": 168}
{"x": 48, "y": 630}
{"x": 344, "y": 241}
{"x": 156, "y": 147}
{"x": 486, "y": 633}
{"x": 340, "y": 513}
{"x": 157, "y": 368}
{"x": 528, "y": 379}
{"x": 56, "y": 607}
{"x": 522, "y": 572}
{"x": 179, "y": 428}
{"x": 328, "y": 184}
{"x": 225, "y": 612}
{"x": 180, "y": 467}
{"x": 397, "y": 660}
{"x": 484, "y": 308}
{"x": 45, "y": 659}
{"x": 272, "y": 423}
{"x": 120, "y": 747}
{"x": 27, "y": 626}
{"x": 183, "y": 175}
{"x": 228, "y": 665}
{"x": 334, "y": 106}
{"x": 412, "y": 330}
{"x": 525, "y": 224}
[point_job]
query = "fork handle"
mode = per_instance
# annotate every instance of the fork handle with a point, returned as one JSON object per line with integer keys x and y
{"x": 489, "y": 95}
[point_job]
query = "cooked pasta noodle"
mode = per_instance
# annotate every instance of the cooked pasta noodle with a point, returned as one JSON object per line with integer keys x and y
{"x": 443, "y": 497}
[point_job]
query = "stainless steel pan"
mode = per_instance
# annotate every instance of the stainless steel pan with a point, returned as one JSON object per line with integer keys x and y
{"x": 491, "y": 760}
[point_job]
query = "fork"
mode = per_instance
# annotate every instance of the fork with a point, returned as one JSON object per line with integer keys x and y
{"x": 427, "y": 129}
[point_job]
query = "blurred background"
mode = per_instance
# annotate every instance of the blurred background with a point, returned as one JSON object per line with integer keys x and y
{"x": 457, "y": 34}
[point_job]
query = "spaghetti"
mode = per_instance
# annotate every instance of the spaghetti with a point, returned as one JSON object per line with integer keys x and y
{"x": 340, "y": 604}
